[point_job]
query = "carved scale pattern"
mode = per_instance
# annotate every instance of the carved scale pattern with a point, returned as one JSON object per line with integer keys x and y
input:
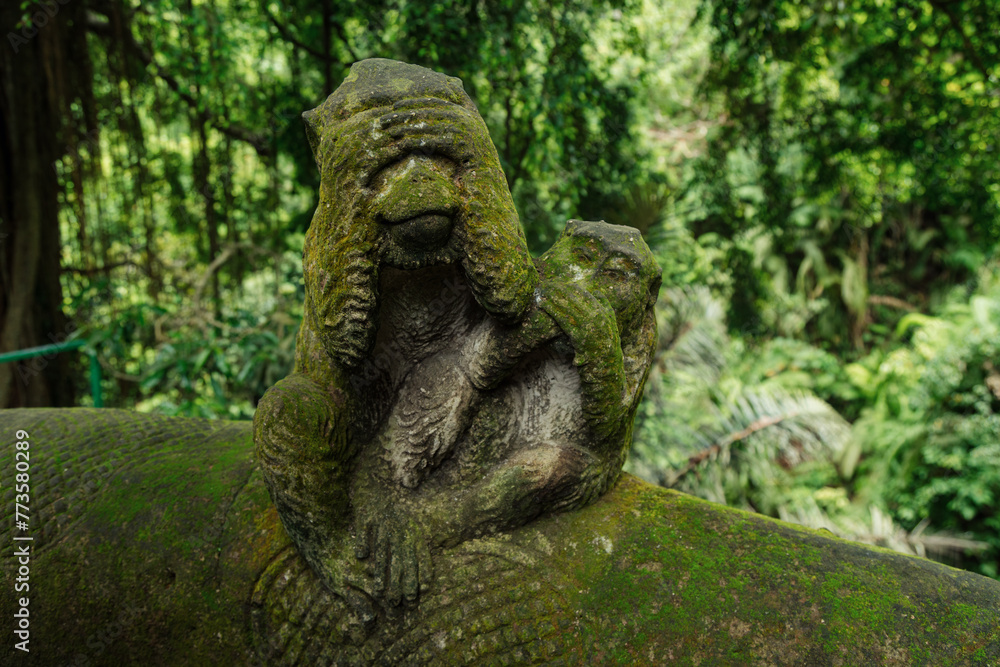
{"x": 65, "y": 479}
{"x": 481, "y": 610}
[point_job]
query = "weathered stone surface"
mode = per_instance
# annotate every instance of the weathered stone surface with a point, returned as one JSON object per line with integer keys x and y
{"x": 156, "y": 544}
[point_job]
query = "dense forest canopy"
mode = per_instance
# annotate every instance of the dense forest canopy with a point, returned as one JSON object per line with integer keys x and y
{"x": 819, "y": 181}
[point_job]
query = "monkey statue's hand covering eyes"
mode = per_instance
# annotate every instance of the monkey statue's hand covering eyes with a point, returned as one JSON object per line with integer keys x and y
{"x": 385, "y": 118}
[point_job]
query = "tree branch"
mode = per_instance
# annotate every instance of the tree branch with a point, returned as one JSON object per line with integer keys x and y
{"x": 697, "y": 459}
{"x": 288, "y": 37}
{"x": 102, "y": 269}
{"x": 339, "y": 28}
{"x": 258, "y": 141}
{"x": 891, "y": 302}
{"x": 210, "y": 271}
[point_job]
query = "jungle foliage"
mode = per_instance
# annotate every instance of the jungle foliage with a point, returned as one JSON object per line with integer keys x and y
{"x": 843, "y": 377}
{"x": 818, "y": 180}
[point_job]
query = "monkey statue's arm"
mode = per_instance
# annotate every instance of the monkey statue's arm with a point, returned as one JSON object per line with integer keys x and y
{"x": 589, "y": 323}
{"x": 302, "y": 436}
{"x": 442, "y": 394}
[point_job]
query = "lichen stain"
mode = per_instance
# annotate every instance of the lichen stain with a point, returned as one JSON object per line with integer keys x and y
{"x": 601, "y": 542}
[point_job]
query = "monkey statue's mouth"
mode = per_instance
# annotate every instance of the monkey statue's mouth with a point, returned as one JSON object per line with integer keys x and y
{"x": 426, "y": 232}
{"x": 417, "y": 201}
{"x": 420, "y": 240}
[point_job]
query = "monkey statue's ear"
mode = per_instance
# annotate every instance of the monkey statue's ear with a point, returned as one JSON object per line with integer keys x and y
{"x": 311, "y": 120}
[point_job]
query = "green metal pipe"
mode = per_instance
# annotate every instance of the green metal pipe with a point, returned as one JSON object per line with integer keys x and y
{"x": 29, "y": 352}
{"x": 55, "y": 348}
{"x": 95, "y": 381}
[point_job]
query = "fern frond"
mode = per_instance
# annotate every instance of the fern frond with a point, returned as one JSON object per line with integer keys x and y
{"x": 943, "y": 546}
{"x": 692, "y": 338}
{"x": 780, "y": 427}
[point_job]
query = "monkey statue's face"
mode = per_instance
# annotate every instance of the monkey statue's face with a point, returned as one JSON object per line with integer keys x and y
{"x": 612, "y": 262}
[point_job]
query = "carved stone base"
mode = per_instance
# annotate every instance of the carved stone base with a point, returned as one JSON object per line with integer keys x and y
{"x": 155, "y": 543}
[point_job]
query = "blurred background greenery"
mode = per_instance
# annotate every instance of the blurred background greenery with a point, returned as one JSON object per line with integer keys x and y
{"x": 819, "y": 181}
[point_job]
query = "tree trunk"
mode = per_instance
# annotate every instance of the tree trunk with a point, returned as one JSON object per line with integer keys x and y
{"x": 33, "y": 68}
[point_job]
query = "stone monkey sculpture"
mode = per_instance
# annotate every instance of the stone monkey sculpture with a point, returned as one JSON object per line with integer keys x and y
{"x": 409, "y": 180}
{"x": 415, "y": 245}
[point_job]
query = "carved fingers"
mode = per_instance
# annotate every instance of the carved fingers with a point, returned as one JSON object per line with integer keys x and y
{"x": 396, "y": 548}
{"x": 372, "y": 140}
{"x": 437, "y": 127}
{"x": 586, "y": 319}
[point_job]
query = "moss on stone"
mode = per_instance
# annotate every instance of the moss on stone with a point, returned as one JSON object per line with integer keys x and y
{"x": 156, "y": 544}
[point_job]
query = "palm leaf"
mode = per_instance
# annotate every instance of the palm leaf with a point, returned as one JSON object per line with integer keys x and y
{"x": 876, "y": 527}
